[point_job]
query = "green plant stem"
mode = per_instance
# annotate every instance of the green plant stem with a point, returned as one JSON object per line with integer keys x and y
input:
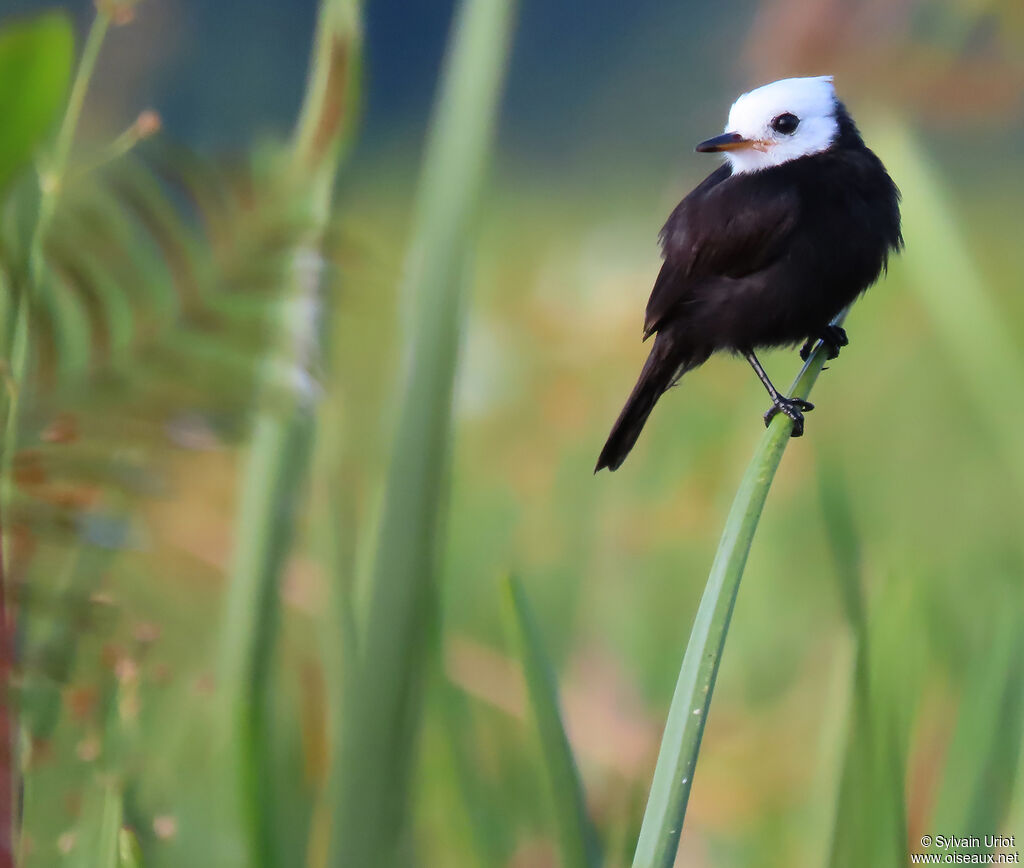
{"x": 113, "y": 151}
{"x": 79, "y": 88}
{"x": 7, "y": 725}
{"x": 322, "y": 136}
{"x": 51, "y": 178}
{"x": 680, "y": 745}
{"x": 965, "y": 315}
{"x": 279, "y": 457}
{"x": 327, "y": 118}
{"x": 271, "y": 487}
{"x": 19, "y": 344}
{"x": 579, "y": 842}
{"x": 381, "y": 723}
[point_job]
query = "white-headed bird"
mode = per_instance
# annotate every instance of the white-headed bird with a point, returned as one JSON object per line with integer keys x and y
{"x": 769, "y": 248}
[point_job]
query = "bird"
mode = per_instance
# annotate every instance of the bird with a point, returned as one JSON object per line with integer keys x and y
{"x": 797, "y": 222}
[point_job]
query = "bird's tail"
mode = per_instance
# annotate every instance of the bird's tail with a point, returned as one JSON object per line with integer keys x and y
{"x": 660, "y": 371}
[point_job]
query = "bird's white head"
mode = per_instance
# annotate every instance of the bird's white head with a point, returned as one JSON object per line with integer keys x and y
{"x": 779, "y": 122}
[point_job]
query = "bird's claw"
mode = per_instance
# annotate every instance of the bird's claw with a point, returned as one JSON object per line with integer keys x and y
{"x": 832, "y": 336}
{"x": 835, "y": 338}
{"x": 792, "y": 407}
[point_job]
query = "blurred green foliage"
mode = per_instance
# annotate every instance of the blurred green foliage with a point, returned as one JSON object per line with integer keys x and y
{"x": 35, "y": 66}
{"x": 870, "y": 692}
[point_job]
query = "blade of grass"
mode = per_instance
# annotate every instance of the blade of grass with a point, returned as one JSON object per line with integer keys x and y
{"x": 36, "y": 57}
{"x": 870, "y": 822}
{"x": 963, "y": 313}
{"x": 844, "y": 541}
{"x": 578, "y": 839}
{"x": 282, "y": 441}
{"x": 981, "y": 762}
{"x": 98, "y": 833}
{"x": 870, "y": 825}
{"x": 487, "y": 827}
{"x": 381, "y": 722}
{"x": 18, "y": 341}
{"x": 850, "y": 845}
{"x": 271, "y": 489}
{"x": 107, "y": 847}
{"x": 680, "y": 744}
{"x": 129, "y": 853}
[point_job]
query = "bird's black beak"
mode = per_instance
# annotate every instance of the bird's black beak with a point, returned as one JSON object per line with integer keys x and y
{"x": 724, "y": 142}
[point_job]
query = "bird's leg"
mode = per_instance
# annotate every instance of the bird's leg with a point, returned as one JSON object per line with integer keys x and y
{"x": 832, "y": 336}
{"x": 792, "y": 407}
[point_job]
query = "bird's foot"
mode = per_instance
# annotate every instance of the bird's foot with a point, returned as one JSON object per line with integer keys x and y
{"x": 792, "y": 407}
{"x": 832, "y": 336}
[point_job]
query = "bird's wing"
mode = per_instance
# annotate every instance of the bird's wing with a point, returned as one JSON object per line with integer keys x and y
{"x": 721, "y": 230}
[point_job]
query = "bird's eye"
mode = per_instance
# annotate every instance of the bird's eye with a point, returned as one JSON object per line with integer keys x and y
{"x": 786, "y": 124}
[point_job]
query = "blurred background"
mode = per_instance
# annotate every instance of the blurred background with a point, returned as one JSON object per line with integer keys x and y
{"x": 905, "y": 496}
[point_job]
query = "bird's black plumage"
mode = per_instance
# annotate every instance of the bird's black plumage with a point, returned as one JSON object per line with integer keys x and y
{"x": 762, "y": 259}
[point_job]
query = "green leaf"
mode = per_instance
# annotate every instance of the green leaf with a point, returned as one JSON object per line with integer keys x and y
{"x": 578, "y": 838}
{"x": 36, "y": 55}
{"x": 680, "y": 743}
{"x": 381, "y": 723}
{"x": 129, "y": 853}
